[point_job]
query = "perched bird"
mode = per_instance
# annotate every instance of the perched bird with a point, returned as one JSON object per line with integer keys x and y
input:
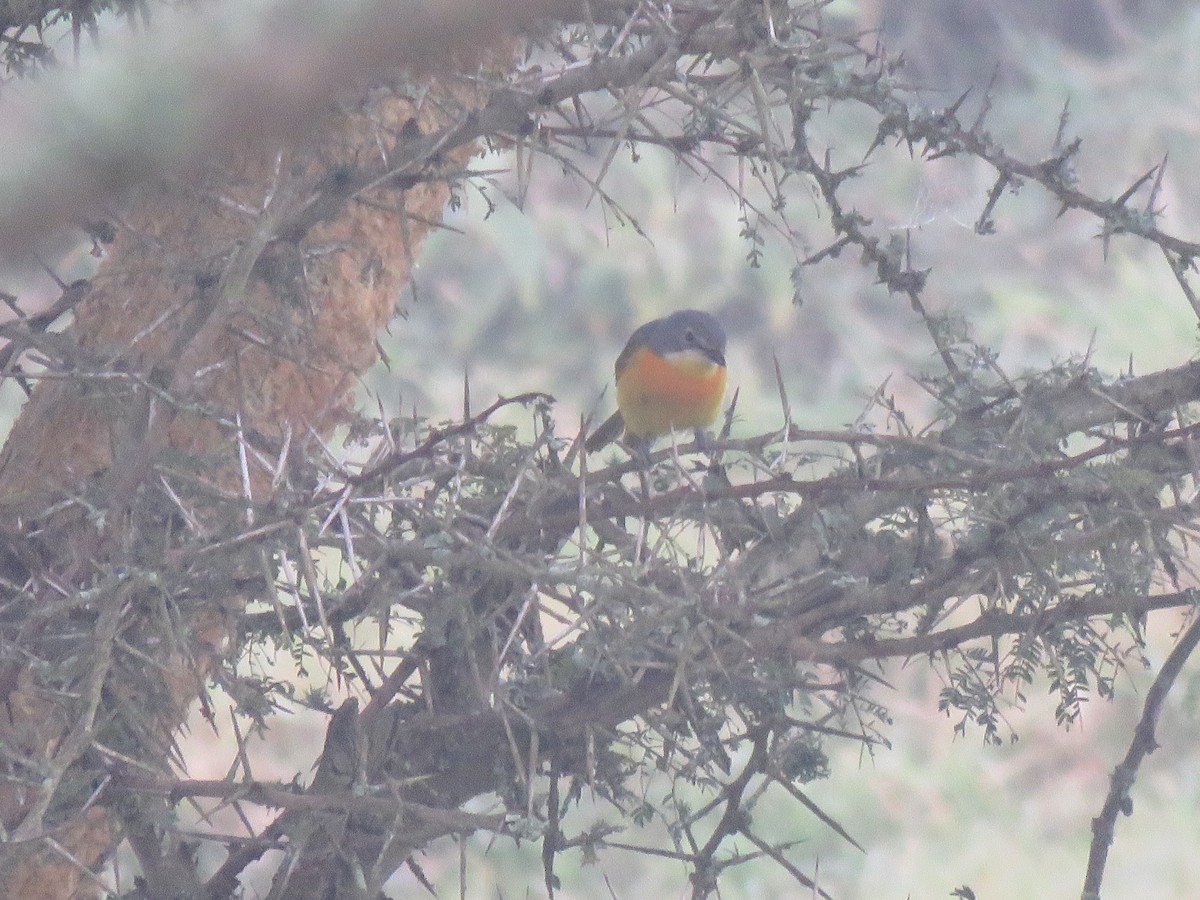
{"x": 671, "y": 375}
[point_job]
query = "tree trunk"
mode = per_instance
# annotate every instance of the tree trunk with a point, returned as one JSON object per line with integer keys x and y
{"x": 232, "y": 314}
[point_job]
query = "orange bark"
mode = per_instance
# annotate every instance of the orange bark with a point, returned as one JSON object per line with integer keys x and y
{"x": 206, "y": 296}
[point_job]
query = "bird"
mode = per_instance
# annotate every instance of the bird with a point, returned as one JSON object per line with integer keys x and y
{"x": 670, "y": 376}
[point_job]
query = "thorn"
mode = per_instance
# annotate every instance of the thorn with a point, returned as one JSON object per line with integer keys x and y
{"x": 986, "y": 106}
{"x": 952, "y": 109}
{"x": 880, "y": 133}
{"x": 577, "y": 446}
{"x": 11, "y": 302}
{"x": 1157, "y": 186}
{"x": 62, "y": 285}
{"x": 1063, "y": 118}
{"x": 383, "y": 357}
{"x": 1132, "y": 189}
{"x": 783, "y": 397}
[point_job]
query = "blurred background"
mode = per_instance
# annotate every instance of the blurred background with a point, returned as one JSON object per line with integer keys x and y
{"x": 534, "y": 287}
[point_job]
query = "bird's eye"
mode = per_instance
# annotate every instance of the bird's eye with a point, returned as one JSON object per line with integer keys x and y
{"x": 689, "y": 336}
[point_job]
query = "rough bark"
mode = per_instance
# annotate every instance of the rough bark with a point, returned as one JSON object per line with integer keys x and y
{"x": 239, "y": 299}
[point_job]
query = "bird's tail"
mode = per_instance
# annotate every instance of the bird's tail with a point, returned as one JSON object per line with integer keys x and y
{"x": 606, "y": 433}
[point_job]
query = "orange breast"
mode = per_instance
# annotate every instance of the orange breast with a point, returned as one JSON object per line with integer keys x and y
{"x": 657, "y": 395}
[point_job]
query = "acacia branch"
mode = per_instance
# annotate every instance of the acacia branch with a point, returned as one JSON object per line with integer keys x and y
{"x": 992, "y": 623}
{"x": 1142, "y": 745}
{"x": 278, "y": 795}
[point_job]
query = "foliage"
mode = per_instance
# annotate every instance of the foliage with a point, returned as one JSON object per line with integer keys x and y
{"x": 24, "y": 26}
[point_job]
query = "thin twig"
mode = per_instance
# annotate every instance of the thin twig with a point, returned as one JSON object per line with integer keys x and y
{"x": 1143, "y": 744}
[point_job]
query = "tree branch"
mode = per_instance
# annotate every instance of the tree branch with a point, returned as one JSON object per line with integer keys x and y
{"x": 1142, "y": 745}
